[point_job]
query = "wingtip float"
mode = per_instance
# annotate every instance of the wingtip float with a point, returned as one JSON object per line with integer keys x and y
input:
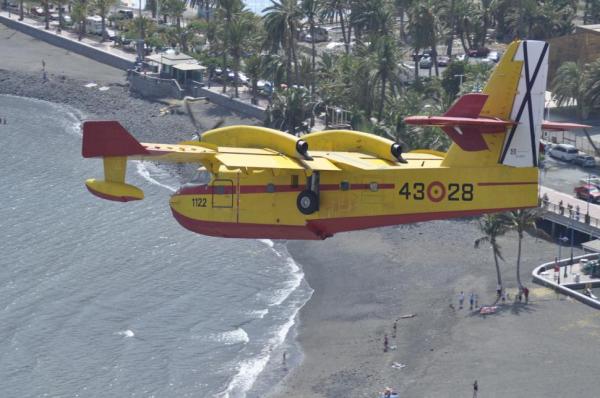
{"x": 262, "y": 183}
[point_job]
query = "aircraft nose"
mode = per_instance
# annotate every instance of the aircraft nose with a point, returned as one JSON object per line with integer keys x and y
{"x": 175, "y": 199}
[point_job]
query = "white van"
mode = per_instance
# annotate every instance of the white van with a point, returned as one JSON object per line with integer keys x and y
{"x": 93, "y": 25}
{"x": 564, "y": 152}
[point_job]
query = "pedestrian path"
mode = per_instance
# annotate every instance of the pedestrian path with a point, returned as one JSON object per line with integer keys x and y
{"x": 91, "y": 41}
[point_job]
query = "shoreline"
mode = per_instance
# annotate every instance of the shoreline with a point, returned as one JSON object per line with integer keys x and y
{"x": 364, "y": 280}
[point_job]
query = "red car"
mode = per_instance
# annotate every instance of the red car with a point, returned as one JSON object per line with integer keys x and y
{"x": 588, "y": 192}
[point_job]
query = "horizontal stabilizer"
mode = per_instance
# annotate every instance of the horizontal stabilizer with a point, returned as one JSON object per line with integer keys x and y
{"x": 469, "y": 105}
{"x": 558, "y": 126}
{"x": 109, "y": 138}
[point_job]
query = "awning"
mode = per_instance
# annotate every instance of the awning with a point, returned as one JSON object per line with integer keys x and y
{"x": 591, "y": 246}
{"x": 189, "y": 66}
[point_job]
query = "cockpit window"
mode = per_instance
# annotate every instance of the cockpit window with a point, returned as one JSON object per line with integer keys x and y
{"x": 201, "y": 177}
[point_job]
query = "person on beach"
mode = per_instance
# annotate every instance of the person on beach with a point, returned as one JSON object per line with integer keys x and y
{"x": 385, "y": 343}
{"x": 503, "y": 296}
{"x": 526, "y": 294}
{"x": 471, "y": 301}
{"x": 498, "y": 291}
{"x": 475, "y": 389}
{"x": 461, "y": 300}
{"x": 476, "y": 300}
{"x": 394, "y": 328}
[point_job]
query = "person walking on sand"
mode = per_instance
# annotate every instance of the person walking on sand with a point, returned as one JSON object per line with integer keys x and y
{"x": 461, "y": 300}
{"x": 471, "y": 301}
{"x": 526, "y": 294}
{"x": 475, "y": 389}
{"x": 385, "y": 343}
{"x": 394, "y": 328}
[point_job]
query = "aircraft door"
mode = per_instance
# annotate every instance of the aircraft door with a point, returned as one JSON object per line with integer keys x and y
{"x": 222, "y": 194}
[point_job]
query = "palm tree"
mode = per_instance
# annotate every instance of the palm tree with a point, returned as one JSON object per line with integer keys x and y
{"x": 290, "y": 107}
{"x": 570, "y": 84}
{"x": 311, "y": 10}
{"x": 226, "y": 9}
{"x": 333, "y": 9}
{"x": 78, "y": 14}
{"x": 425, "y": 26}
{"x": 102, "y": 7}
{"x": 46, "y": 5}
{"x": 386, "y": 60}
{"x": 281, "y": 21}
{"x": 239, "y": 33}
{"x": 493, "y": 226}
{"x": 254, "y": 69}
{"x": 521, "y": 221}
{"x": 403, "y": 6}
{"x": 61, "y": 20}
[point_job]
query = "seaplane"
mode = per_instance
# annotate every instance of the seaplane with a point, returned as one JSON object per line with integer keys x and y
{"x": 262, "y": 183}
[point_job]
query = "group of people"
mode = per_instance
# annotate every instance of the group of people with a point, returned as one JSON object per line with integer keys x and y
{"x": 473, "y": 300}
{"x": 501, "y": 294}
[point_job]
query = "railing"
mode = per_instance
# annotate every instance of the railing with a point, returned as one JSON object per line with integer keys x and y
{"x": 570, "y": 212}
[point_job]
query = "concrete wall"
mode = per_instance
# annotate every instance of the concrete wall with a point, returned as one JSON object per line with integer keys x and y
{"x": 68, "y": 44}
{"x": 154, "y": 87}
{"x": 565, "y": 289}
{"x": 231, "y": 103}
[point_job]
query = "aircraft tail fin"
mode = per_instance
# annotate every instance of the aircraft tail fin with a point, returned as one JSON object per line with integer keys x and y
{"x": 113, "y": 143}
{"x": 515, "y": 94}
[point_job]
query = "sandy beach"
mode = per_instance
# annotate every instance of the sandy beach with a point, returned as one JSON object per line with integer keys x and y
{"x": 365, "y": 280}
{"x": 67, "y": 76}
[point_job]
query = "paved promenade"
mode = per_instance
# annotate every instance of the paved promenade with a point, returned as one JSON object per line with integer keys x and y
{"x": 90, "y": 40}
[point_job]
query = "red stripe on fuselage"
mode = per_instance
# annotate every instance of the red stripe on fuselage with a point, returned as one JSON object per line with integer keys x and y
{"x": 245, "y": 189}
{"x": 316, "y": 228}
{"x": 488, "y": 184}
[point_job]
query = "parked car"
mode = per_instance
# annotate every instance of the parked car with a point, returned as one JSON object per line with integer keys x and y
{"x": 564, "y": 152}
{"x": 585, "y": 160}
{"x": 321, "y": 35}
{"x": 241, "y": 78}
{"x": 442, "y": 60}
{"x": 588, "y": 192}
{"x": 479, "y": 52}
{"x": 425, "y": 62}
{"x": 494, "y": 56}
{"x": 125, "y": 14}
{"x": 37, "y": 11}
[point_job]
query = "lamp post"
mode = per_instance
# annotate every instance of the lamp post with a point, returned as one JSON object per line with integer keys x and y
{"x": 572, "y": 239}
{"x": 587, "y": 211}
{"x": 561, "y": 240}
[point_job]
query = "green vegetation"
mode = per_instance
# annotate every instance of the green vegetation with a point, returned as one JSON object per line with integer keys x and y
{"x": 375, "y": 74}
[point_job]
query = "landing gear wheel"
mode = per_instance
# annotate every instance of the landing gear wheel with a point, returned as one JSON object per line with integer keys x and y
{"x": 307, "y": 202}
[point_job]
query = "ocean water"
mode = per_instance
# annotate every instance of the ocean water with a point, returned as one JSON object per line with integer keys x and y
{"x": 110, "y": 299}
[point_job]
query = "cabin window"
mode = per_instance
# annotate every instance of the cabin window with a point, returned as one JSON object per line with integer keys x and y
{"x": 344, "y": 185}
{"x": 294, "y": 181}
{"x": 373, "y": 187}
{"x": 270, "y": 187}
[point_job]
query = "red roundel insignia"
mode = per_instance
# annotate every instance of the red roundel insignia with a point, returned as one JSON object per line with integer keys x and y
{"x": 436, "y": 191}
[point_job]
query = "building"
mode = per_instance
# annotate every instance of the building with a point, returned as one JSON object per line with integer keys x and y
{"x": 179, "y": 66}
{"x": 583, "y": 47}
